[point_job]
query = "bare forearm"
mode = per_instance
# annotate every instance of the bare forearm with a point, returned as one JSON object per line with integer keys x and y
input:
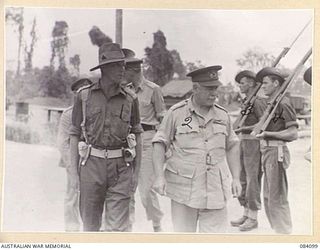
{"x": 74, "y": 155}
{"x": 158, "y": 158}
{"x": 290, "y": 134}
{"x": 233, "y": 159}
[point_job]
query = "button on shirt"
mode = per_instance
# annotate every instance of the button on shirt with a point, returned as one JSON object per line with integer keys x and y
{"x": 108, "y": 120}
{"x": 151, "y": 102}
{"x": 196, "y": 169}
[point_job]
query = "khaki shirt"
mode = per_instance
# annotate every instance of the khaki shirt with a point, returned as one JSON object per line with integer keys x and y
{"x": 63, "y": 137}
{"x": 151, "y": 102}
{"x": 196, "y": 170}
{"x": 108, "y": 121}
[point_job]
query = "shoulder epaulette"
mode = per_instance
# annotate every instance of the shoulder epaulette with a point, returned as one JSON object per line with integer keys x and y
{"x": 130, "y": 92}
{"x": 84, "y": 87}
{"x": 151, "y": 84}
{"x": 220, "y": 107}
{"x": 179, "y": 105}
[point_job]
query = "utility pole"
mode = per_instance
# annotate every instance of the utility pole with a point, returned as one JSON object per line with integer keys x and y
{"x": 119, "y": 26}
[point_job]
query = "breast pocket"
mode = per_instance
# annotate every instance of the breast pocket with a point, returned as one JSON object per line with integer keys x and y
{"x": 93, "y": 116}
{"x": 219, "y": 134}
{"x": 187, "y": 135}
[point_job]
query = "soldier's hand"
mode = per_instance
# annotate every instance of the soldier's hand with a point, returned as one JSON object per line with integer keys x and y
{"x": 261, "y": 135}
{"x": 236, "y": 188}
{"x": 159, "y": 185}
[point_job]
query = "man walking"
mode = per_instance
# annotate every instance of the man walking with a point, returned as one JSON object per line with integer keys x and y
{"x": 106, "y": 119}
{"x": 152, "y": 109}
{"x": 193, "y": 141}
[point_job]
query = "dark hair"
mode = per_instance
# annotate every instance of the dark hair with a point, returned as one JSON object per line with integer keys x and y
{"x": 278, "y": 78}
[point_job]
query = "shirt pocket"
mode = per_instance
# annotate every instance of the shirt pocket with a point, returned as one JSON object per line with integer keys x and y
{"x": 122, "y": 113}
{"x": 93, "y": 117}
{"x": 179, "y": 179}
{"x": 219, "y": 133}
{"x": 187, "y": 135}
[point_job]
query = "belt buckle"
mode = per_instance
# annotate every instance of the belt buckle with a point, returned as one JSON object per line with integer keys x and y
{"x": 105, "y": 151}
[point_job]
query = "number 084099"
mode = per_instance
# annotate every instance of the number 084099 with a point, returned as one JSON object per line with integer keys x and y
{"x": 304, "y": 245}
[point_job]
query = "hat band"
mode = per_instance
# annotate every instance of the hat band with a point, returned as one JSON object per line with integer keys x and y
{"x": 111, "y": 55}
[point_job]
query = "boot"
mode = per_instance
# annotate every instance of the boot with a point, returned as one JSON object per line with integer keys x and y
{"x": 238, "y": 222}
{"x": 248, "y": 225}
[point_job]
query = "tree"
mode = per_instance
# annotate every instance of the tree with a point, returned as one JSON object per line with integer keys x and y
{"x": 15, "y": 16}
{"x": 29, "y": 51}
{"x": 178, "y": 66}
{"x": 255, "y": 59}
{"x": 191, "y": 66}
{"x": 159, "y": 62}
{"x": 97, "y": 37}
{"x": 59, "y": 43}
{"x": 75, "y": 62}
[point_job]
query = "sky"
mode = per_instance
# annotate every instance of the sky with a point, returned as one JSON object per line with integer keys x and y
{"x": 215, "y": 37}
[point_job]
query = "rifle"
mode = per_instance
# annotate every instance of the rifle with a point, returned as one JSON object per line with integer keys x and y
{"x": 248, "y": 103}
{"x": 275, "y": 101}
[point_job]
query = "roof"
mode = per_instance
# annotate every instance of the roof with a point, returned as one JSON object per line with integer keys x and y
{"x": 177, "y": 88}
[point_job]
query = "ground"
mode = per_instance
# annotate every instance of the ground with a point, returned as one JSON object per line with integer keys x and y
{"x": 34, "y": 189}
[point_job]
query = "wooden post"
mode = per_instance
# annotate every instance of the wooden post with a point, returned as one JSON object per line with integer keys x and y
{"x": 119, "y": 26}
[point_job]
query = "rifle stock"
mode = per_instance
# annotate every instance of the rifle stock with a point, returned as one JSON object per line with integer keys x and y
{"x": 275, "y": 101}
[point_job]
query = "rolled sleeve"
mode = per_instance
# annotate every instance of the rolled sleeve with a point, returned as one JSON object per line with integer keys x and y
{"x": 165, "y": 133}
{"x": 136, "y": 127}
{"x": 158, "y": 102}
{"x": 289, "y": 115}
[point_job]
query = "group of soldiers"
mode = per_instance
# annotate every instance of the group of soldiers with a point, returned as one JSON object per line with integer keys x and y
{"x": 118, "y": 136}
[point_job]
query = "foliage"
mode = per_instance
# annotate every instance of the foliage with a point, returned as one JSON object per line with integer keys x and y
{"x": 29, "y": 51}
{"x": 97, "y": 37}
{"x": 159, "y": 62}
{"x": 75, "y": 62}
{"x": 14, "y": 16}
{"x": 191, "y": 66}
{"x": 178, "y": 66}
{"x": 255, "y": 59}
{"x": 59, "y": 43}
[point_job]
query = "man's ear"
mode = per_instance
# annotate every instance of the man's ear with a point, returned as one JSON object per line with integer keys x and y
{"x": 276, "y": 83}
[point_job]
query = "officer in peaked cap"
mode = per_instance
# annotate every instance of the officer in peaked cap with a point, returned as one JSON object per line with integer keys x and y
{"x": 206, "y": 76}
{"x": 250, "y": 156}
{"x": 282, "y": 128}
{"x": 193, "y": 140}
{"x": 105, "y": 121}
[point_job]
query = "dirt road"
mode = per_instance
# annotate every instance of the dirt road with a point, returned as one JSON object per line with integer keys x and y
{"x": 34, "y": 189}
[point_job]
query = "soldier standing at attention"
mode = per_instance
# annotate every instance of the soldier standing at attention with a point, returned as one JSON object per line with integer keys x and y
{"x": 106, "y": 119}
{"x": 275, "y": 154}
{"x": 71, "y": 200}
{"x": 250, "y": 157}
{"x": 194, "y": 141}
{"x": 152, "y": 109}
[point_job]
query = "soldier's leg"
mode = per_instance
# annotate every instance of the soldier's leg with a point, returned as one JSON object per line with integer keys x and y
{"x": 213, "y": 220}
{"x": 92, "y": 193}
{"x": 278, "y": 205}
{"x": 242, "y": 198}
{"x": 71, "y": 206}
{"x": 132, "y": 211}
{"x": 184, "y": 218}
{"x": 252, "y": 164}
{"x": 118, "y": 195}
{"x": 148, "y": 197}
